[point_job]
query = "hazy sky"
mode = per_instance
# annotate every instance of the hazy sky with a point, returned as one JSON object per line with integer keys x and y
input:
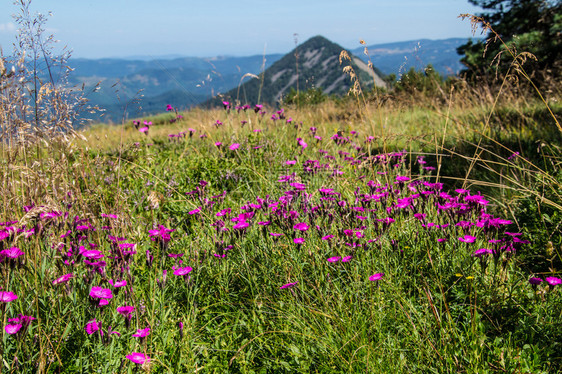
{"x": 120, "y": 28}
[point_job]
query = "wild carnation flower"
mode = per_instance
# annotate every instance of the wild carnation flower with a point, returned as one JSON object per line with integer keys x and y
{"x": 467, "y": 239}
{"x": 63, "y": 279}
{"x": 7, "y": 296}
{"x": 141, "y": 333}
{"x": 241, "y": 225}
{"x": 117, "y": 283}
{"x": 346, "y": 259}
{"x": 138, "y": 358}
{"x": 195, "y": 211}
{"x": 553, "y": 281}
{"x": 376, "y": 277}
{"x": 183, "y": 271}
{"x": 481, "y": 252}
{"x": 535, "y": 281}
{"x": 13, "y": 329}
{"x": 234, "y": 146}
{"x": 298, "y": 240}
{"x": 92, "y": 326}
{"x": 334, "y": 259}
{"x": 288, "y": 285}
{"x": 301, "y": 226}
{"x": 12, "y": 253}
{"x": 100, "y": 293}
{"x": 92, "y": 254}
{"x": 125, "y": 310}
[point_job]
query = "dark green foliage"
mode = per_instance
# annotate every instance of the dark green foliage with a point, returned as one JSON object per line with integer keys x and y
{"x": 533, "y": 26}
{"x": 311, "y": 96}
{"x": 427, "y": 82}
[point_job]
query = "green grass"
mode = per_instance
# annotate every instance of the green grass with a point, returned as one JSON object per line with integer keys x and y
{"x": 437, "y": 308}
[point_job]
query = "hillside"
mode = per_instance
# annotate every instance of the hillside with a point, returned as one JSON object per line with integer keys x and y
{"x": 313, "y": 64}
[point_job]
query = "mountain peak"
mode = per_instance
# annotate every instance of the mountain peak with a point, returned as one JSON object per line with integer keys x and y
{"x": 312, "y": 64}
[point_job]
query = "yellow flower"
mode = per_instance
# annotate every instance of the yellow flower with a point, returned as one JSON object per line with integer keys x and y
{"x": 458, "y": 275}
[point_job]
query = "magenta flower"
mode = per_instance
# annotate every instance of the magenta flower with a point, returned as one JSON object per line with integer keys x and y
{"x": 290, "y": 162}
{"x": 183, "y": 271}
{"x": 100, "y": 293}
{"x": 13, "y": 329}
{"x": 12, "y": 253}
{"x": 92, "y": 326}
{"x": 553, "y": 281}
{"x": 301, "y": 226}
{"x": 144, "y": 130}
{"x": 241, "y": 225}
{"x": 7, "y": 296}
{"x": 346, "y": 259}
{"x": 376, "y": 277}
{"x": 481, "y": 252}
{"x": 125, "y": 310}
{"x": 195, "y": 211}
{"x": 234, "y": 146}
{"x": 327, "y": 237}
{"x": 118, "y": 284}
{"x": 138, "y": 358}
{"x": 298, "y": 240}
{"x": 162, "y": 235}
{"x": 467, "y": 239}
{"x": 535, "y": 281}
{"x": 141, "y": 333}
{"x": 288, "y": 285}
{"x": 334, "y": 259}
{"x": 92, "y": 254}
{"x": 63, "y": 279}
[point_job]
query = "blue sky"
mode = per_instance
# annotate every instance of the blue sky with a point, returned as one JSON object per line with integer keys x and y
{"x": 120, "y": 28}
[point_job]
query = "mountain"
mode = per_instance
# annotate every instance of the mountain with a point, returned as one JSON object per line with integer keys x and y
{"x": 398, "y": 58}
{"x": 313, "y": 64}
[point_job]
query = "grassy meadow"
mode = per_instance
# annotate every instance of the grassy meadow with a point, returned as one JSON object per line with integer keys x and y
{"x": 382, "y": 233}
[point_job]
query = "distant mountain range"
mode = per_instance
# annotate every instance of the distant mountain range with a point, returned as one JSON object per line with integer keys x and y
{"x": 188, "y": 81}
{"x": 398, "y": 58}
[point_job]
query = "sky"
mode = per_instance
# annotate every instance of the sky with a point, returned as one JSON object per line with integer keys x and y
{"x": 203, "y": 28}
